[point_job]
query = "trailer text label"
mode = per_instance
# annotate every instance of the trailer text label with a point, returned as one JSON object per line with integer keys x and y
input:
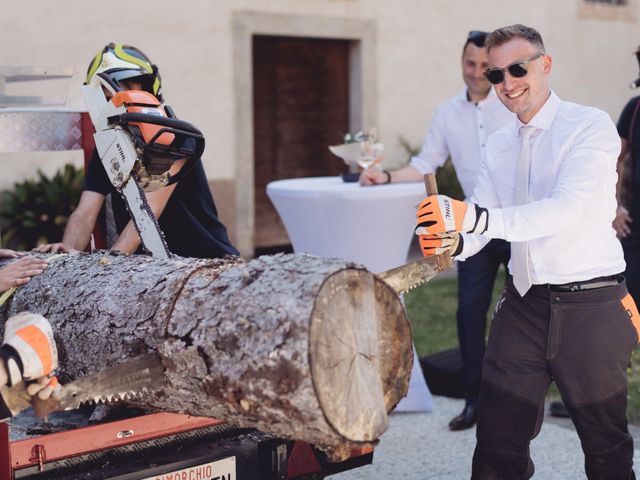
{"x": 220, "y": 470}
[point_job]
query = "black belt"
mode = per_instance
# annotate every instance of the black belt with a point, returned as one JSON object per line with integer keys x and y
{"x": 599, "y": 282}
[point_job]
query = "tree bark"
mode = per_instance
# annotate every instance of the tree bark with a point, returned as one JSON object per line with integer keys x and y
{"x": 305, "y": 348}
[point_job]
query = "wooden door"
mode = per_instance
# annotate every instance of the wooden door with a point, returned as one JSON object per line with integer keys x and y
{"x": 300, "y": 106}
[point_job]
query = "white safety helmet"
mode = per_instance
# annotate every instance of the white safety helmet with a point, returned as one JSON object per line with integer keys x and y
{"x": 117, "y": 62}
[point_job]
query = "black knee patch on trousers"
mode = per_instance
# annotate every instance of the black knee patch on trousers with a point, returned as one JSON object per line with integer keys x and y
{"x": 608, "y": 449}
{"x": 505, "y": 427}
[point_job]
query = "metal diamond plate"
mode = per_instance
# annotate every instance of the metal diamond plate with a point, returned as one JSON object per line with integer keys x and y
{"x": 39, "y": 131}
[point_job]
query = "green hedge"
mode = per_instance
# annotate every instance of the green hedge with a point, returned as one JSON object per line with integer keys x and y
{"x": 36, "y": 211}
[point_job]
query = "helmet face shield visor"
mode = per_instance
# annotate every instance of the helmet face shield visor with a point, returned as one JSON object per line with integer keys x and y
{"x": 116, "y": 79}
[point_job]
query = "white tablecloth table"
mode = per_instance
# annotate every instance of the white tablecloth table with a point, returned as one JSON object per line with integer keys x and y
{"x": 327, "y": 217}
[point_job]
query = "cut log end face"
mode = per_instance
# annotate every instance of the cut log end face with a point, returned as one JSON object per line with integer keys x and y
{"x": 395, "y": 344}
{"x": 350, "y": 371}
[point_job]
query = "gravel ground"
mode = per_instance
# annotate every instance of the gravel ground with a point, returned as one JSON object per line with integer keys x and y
{"x": 419, "y": 446}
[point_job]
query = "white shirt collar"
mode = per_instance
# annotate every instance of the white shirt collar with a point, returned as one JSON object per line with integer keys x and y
{"x": 545, "y": 116}
{"x": 462, "y": 96}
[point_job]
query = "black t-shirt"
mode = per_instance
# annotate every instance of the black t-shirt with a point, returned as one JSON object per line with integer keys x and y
{"x": 189, "y": 221}
{"x": 624, "y": 127}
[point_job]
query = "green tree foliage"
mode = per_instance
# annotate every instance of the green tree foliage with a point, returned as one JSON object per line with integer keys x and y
{"x": 445, "y": 176}
{"x": 36, "y": 211}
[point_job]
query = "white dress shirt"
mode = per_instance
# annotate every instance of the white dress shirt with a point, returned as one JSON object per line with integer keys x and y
{"x": 460, "y": 129}
{"x": 572, "y": 185}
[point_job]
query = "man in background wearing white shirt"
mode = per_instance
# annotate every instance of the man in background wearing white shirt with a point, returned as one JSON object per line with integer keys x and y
{"x": 460, "y": 129}
{"x": 547, "y": 186}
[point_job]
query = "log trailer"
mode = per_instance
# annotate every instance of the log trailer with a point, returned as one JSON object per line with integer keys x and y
{"x": 162, "y": 446}
{"x": 158, "y": 446}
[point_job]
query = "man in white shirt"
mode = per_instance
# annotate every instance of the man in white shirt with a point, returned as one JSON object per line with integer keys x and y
{"x": 548, "y": 186}
{"x": 460, "y": 128}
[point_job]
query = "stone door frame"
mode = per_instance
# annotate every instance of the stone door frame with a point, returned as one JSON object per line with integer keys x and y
{"x": 362, "y": 91}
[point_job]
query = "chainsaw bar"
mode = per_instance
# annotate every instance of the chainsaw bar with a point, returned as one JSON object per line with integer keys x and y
{"x": 121, "y": 382}
{"x": 143, "y": 218}
{"x": 404, "y": 278}
{"x": 119, "y": 158}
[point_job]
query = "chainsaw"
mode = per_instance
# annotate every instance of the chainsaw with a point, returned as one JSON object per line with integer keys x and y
{"x": 128, "y": 380}
{"x": 138, "y": 139}
{"x": 407, "y": 277}
{"x": 403, "y": 279}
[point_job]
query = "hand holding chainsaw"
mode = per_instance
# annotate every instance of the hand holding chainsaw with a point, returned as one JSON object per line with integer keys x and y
{"x": 438, "y": 244}
{"x": 28, "y": 348}
{"x": 127, "y": 380}
{"x": 436, "y": 248}
{"x": 439, "y": 214}
{"x": 29, "y": 356}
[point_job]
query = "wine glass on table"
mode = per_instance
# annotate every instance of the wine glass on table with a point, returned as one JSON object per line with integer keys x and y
{"x": 370, "y": 154}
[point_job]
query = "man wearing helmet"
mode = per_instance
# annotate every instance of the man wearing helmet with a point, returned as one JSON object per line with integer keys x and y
{"x": 186, "y": 211}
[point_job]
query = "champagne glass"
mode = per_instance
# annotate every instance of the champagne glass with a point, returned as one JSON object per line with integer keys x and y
{"x": 369, "y": 154}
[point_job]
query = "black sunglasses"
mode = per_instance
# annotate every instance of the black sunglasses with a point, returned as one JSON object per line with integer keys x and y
{"x": 477, "y": 37}
{"x": 516, "y": 69}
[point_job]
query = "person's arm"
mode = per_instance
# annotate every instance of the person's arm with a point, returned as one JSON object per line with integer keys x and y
{"x": 433, "y": 155}
{"x": 7, "y": 253}
{"x": 43, "y": 387}
{"x": 577, "y": 189}
{"x": 373, "y": 176}
{"x": 82, "y": 221}
{"x": 77, "y": 233}
{"x": 484, "y": 193}
{"x": 129, "y": 240}
{"x": 579, "y": 180}
{"x": 622, "y": 221}
{"x": 28, "y": 354}
{"x": 463, "y": 245}
{"x": 20, "y": 272}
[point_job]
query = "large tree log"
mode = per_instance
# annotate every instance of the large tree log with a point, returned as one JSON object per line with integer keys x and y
{"x": 306, "y": 348}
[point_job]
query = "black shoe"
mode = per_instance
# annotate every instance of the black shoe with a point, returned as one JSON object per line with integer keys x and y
{"x": 558, "y": 409}
{"x": 466, "y": 419}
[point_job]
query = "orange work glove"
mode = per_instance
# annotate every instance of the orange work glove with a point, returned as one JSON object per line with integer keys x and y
{"x": 438, "y": 214}
{"x": 28, "y": 348}
{"x": 436, "y": 244}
